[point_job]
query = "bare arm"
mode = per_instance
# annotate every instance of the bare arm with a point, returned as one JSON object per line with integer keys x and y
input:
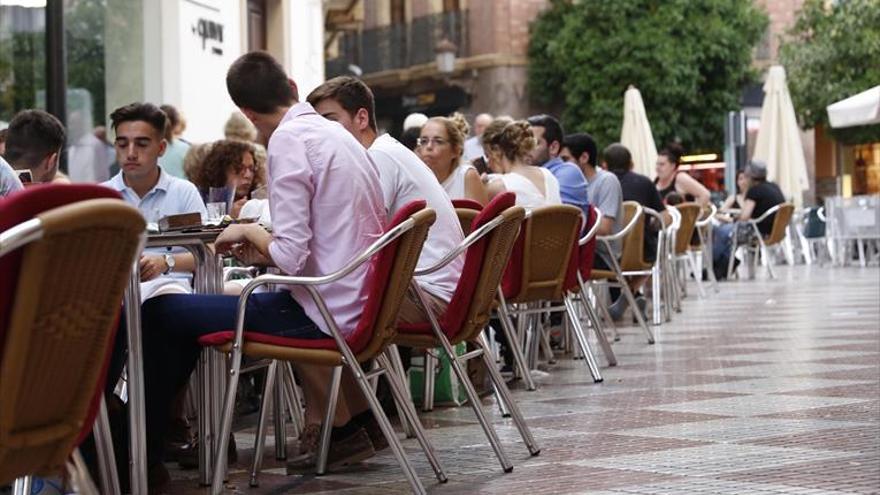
{"x": 691, "y": 186}
{"x": 747, "y": 208}
{"x": 473, "y": 187}
{"x": 606, "y": 226}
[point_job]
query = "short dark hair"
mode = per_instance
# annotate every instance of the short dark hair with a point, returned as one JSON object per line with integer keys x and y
{"x": 351, "y": 93}
{"x": 617, "y": 157}
{"x": 581, "y": 142}
{"x": 673, "y": 152}
{"x": 552, "y": 128}
{"x": 31, "y": 137}
{"x": 258, "y": 82}
{"x": 144, "y": 112}
{"x": 410, "y": 137}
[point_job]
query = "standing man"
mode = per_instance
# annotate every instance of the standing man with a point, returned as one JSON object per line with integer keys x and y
{"x": 473, "y": 146}
{"x": 572, "y": 184}
{"x": 404, "y": 177}
{"x": 34, "y": 142}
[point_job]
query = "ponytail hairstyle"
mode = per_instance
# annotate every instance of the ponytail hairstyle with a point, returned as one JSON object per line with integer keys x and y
{"x": 514, "y": 139}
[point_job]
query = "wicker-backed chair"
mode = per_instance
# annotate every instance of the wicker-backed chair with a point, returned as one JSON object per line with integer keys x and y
{"x": 781, "y": 214}
{"x": 394, "y": 257}
{"x": 586, "y": 255}
{"x": 467, "y": 210}
{"x": 682, "y": 253}
{"x": 67, "y": 269}
{"x": 486, "y": 250}
{"x": 632, "y": 235}
{"x": 543, "y": 268}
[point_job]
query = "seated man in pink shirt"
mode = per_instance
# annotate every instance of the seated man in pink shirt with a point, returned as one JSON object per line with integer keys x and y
{"x": 316, "y": 170}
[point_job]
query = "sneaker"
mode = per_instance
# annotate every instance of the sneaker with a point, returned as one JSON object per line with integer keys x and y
{"x": 356, "y": 447}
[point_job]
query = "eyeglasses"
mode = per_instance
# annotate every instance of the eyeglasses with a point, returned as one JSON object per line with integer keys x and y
{"x": 424, "y": 141}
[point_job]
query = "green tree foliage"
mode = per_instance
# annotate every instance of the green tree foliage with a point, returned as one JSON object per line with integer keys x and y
{"x": 833, "y": 52}
{"x": 689, "y": 58}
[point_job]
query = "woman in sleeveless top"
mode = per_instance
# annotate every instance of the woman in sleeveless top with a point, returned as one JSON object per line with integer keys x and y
{"x": 671, "y": 180}
{"x": 507, "y": 145}
{"x": 440, "y": 146}
{"x": 736, "y": 200}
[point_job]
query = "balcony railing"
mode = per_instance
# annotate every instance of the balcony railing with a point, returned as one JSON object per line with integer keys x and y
{"x": 399, "y": 45}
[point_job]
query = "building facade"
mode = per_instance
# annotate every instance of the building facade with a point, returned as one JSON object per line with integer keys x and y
{"x": 393, "y": 46}
{"x": 162, "y": 51}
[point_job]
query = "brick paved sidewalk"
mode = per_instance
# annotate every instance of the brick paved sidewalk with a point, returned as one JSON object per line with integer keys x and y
{"x": 766, "y": 387}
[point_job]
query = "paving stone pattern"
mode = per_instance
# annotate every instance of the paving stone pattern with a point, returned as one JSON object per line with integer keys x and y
{"x": 768, "y": 387}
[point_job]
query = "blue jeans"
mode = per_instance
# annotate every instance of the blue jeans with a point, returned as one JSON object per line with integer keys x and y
{"x": 722, "y": 243}
{"x": 171, "y": 326}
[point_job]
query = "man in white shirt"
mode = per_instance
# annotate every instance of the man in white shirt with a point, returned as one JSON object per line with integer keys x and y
{"x": 9, "y": 182}
{"x": 404, "y": 178}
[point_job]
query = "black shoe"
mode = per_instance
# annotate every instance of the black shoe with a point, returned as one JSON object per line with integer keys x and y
{"x": 188, "y": 455}
{"x": 355, "y": 447}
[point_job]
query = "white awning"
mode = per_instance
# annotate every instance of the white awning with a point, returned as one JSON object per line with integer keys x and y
{"x": 861, "y": 109}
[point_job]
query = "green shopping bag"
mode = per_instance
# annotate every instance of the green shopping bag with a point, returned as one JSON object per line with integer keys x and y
{"x": 447, "y": 389}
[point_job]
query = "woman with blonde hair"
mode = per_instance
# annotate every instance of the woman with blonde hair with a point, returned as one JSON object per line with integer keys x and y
{"x": 440, "y": 146}
{"x": 507, "y": 145}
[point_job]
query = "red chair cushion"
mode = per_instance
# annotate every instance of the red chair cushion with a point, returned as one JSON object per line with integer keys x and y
{"x": 377, "y": 279}
{"x": 453, "y": 319}
{"x": 588, "y": 250}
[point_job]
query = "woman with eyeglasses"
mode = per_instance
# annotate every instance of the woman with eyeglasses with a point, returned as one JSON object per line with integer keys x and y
{"x": 440, "y": 146}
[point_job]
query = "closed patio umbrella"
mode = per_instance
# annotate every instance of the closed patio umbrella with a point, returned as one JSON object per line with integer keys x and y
{"x": 636, "y": 133}
{"x": 779, "y": 141}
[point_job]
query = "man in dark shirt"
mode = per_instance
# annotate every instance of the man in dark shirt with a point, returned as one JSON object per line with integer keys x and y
{"x": 760, "y": 197}
{"x": 638, "y": 188}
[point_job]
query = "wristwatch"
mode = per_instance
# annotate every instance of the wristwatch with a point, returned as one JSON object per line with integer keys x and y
{"x": 169, "y": 262}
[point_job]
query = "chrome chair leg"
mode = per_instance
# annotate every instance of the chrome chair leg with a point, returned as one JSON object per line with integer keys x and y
{"x": 506, "y": 398}
{"x": 583, "y": 342}
{"x": 429, "y": 376}
{"x": 691, "y": 260}
{"x": 279, "y": 416}
{"x": 394, "y": 361}
{"x": 293, "y": 399}
{"x": 329, "y": 415}
{"x": 22, "y": 486}
{"x": 106, "y": 458}
{"x": 225, "y": 426}
{"x": 387, "y": 430}
{"x": 513, "y": 342}
{"x": 260, "y": 439}
{"x": 597, "y": 327}
{"x": 408, "y": 412}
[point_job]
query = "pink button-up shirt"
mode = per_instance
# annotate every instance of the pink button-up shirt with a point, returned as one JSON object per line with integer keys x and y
{"x": 326, "y": 204}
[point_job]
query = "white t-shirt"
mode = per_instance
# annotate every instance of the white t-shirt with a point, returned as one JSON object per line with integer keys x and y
{"x": 404, "y": 178}
{"x": 454, "y": 184}
{"x": 8, "y": 179}
{"x": 527, "y": 193}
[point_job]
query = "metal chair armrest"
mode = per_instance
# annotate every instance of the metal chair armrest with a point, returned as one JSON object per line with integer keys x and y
{"x": 19, "y": 235}
{"x": 310, "y": 283}
{"x": 766, "y": 214}
{"x": 468, "y": 241}
{"x": 593, "y": 230}
{"x": 713, "y": 210}
{"x": 625, "y": 230}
